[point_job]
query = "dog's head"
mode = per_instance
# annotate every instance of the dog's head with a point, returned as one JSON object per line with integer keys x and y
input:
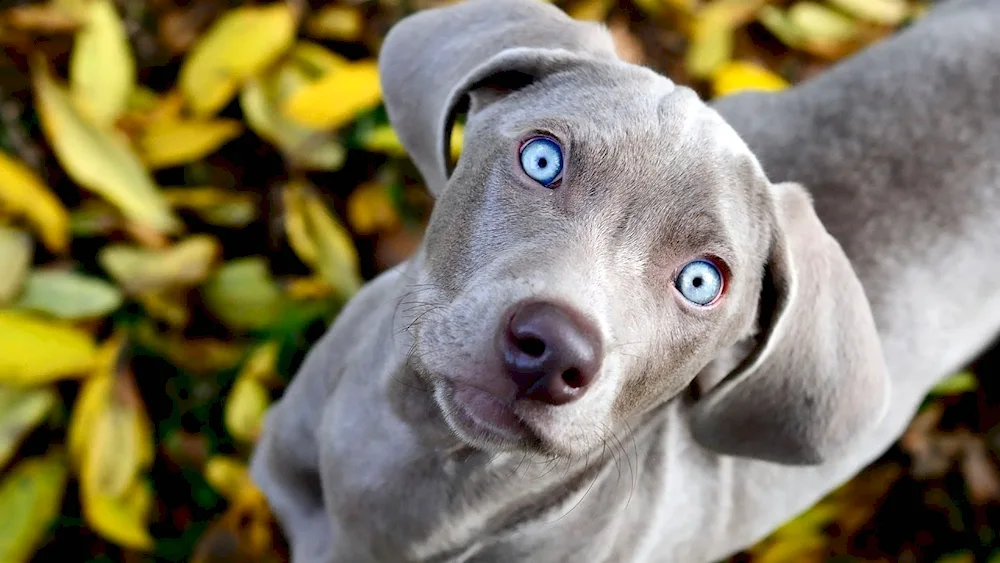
{"x": 604, "y": 237}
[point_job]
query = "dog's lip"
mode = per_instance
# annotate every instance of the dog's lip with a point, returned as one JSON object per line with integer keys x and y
{"x": 480, "y": 412}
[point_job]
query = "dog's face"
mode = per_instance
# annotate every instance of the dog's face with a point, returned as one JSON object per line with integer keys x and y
{"x": 605, "y": 236}
{"x": 597, "y": 250}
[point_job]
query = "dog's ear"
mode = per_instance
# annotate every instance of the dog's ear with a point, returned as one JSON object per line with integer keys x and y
{"x": 817, "y": 378}
{"x": 432, "y": 59}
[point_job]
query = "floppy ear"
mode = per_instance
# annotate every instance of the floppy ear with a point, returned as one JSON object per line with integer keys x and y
{"x": 431, "y": 59}
{"x": 817, "y": 378}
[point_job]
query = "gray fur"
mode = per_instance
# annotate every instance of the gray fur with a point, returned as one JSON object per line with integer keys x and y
{"x": 811, "y": 365}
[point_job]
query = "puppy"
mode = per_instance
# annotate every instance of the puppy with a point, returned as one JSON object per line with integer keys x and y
{"x": 517, "y": 391}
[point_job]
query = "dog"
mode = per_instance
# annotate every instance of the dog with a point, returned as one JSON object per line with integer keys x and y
{"x": 642, "y": 328}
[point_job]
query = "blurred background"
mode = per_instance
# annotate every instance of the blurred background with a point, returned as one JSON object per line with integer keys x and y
{"x": 189, "y": 191}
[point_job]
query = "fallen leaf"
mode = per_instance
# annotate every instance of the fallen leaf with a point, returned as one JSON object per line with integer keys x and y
{"x": 981, "y": 476}
{"x": 98, "y": 158}
{"x": 383, "y": 139}
{"x": 243, "y": 533}
{"x": 243, "y": 294}
{"x": 825, "y": 32}
{"x": 227, "y": 475}
{"x": 30, "y": 499}
{"x": 711, "y": 45}
{"x": 169, "y": 306}
{"x": 962, "y": 382}
{"x": 883, "y": 12}
{"x": 776, "y": 21}
{"x": 172, "y": 143}
{"x": 370, "y": 209}
{"x": 68, "y": 295}
{"x": 319, "y": 239}
{"x": 101, "y": 67}
{"x": 355, "y": 86}
{"x": 223, "y": 59}
{"x": 742, "y": 76}
{"x": 244, "y": 410}
{"x": 958, "y": 557}
{"x": 590, "y": 10}
{"x": 23, "y": 193}
{"x": 336, "y": 22}
{"x": 186, "y": 263}
{"x": 43, "y": 17}
{"x": 16, "y": 251}
{"x": 198, "y": 356}
{"x": 34, "y": 351}
{"x": 215, "y": 206}
{"x": 112, "y": 443}
{"x": 261, "y": 99}
{"x": 249, "y": 399}
{"x": 21, "y": 410}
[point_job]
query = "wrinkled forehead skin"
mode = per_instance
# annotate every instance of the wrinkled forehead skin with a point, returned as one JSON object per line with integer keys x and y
{"x": 650, "y": 172}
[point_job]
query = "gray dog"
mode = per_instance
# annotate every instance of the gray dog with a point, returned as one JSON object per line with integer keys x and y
{"x": 631, "y": 334}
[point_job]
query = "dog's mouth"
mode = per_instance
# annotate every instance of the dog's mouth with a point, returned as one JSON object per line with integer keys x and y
{"x": 481, "y": 419}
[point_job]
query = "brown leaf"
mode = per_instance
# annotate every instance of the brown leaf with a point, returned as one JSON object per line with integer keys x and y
{"x": 981, "y": 476}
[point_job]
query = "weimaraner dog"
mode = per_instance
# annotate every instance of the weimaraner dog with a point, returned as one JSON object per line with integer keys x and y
{"x": 641, "y": 328}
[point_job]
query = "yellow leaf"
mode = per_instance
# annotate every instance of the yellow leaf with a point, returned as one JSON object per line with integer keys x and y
{"x": 34, "y": 351}
{"x": 168, "y": 306}
{"x": 711, "y": 45}
{"x": 882, "y": 12}
{"x": 245, "y": 407}
{"x": 15, "y": 254}
{"x": 172, "y": 143}
{"x": 30, "y": 499}
{"x": 243, "y": 295}
{"x": 261, "y": 98}
{"x": 22, "y": 192}
{"x": 262, "y": 363}
{"x": 740, "y": 76}
{"x": 801, "y": 549}
{"x": 199, "y": 356}
{"x": 655, "y": 7}
{"x": 339, "y": 23}
{"x": 242, "y": 534}
{"x": 98, "y": 158}
{"x": 224, "y": 58}
{"x": 21, "y": 410}
{"x": 121, "y": 519}
{"x": 825, "y": 32}
{"x": 590, "y": 10}
{"x": 227, "y": 475}
{"x": 776, "y": 21}
{"x": 319, "y": 239}
{"x": 111, "y": 439}
{"x": 101, "y": 68}
{"x": 139, "y": 270}
{"x": 383, "y": 139}
{"x": 336, "y": 99}
{"x": 370, "y": 209}
{"x": 68, "y": 295}
{"x": 216, "y": 206}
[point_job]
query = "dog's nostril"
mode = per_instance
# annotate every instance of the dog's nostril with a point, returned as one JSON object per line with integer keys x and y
{"x": 574, "y": 378}
{"x": 531, "y": 346}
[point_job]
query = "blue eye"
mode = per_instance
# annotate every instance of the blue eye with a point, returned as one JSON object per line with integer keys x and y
{"x": 541, "y": 160}
{"x": 700, "y": 282}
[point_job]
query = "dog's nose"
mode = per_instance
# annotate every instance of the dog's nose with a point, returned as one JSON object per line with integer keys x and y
{"x": 550, "y": 352}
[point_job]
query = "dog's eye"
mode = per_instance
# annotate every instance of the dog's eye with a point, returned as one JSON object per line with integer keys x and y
{"x": 541, "y": 160}
{"x": 700, "y": 282}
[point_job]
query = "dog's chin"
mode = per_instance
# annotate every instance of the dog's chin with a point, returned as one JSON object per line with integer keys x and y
{"x": 483, "y": 421}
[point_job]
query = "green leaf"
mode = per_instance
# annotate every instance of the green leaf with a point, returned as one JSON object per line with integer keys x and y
{"x": 21, "y": 410}
{"x": 68, "y": 295}
{"x": 957, "y": 384}
{"x": 15, "y": 254}
{"x": 243, "y": 294}
{"x": 30, "y": 499}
